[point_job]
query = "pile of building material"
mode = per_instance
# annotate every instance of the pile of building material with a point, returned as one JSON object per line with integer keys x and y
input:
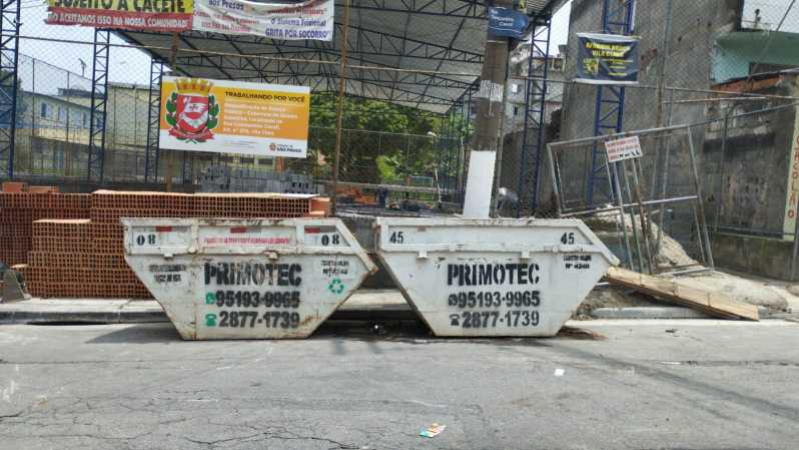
{"x": 669, "y": 255}
{"x": 21, "y": 206}
{"x": 71, "y": 245}
{"x": 75, "y": 258}
{"x": 226, "y": 179}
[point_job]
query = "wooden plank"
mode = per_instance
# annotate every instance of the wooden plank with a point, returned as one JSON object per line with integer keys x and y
{"x": 712, "y": 303}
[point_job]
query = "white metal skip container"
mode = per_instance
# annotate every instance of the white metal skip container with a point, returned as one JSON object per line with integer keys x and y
{"x": 246, "y": 278}
{"x": 492, "y": 277}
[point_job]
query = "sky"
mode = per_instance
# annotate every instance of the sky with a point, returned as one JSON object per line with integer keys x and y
{"x": 126, "y": 65}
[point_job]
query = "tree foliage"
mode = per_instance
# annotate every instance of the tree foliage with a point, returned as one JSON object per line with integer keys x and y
{"x": 382, "y": 142}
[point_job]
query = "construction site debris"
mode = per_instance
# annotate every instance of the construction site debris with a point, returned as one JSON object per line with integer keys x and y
{"x": 13, "y": 288}
{"x": 14, "y": 187}
{"x": 712, "y": 303}
{"x": 669, "y": 255}
{"x": 610, "y": 297}
{"x": 432, "y": 431}
{"x": 737, "y": 288}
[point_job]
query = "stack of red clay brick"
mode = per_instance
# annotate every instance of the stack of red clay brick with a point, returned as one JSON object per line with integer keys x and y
{"x": 80, "y": 253}
{"x": 20, "y": 206}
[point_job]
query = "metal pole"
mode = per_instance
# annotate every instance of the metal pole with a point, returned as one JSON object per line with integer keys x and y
{"x": 700, "y": 202}
{"x": 342, "y": 86}
{"x": 633, "y": 222}
{"x": 10, "y": 23}
{"x": 643, "y": 213}
{"x": 792, "y": 276}
{"x": 31, "y": 162}
{"x": 665, "y": 179}
{"x": 630, "y": 205}
{"x": 555, "y": 186}
{"x": 170, "y": 156}
{"x": 721, "y": 167}
{"x": 620, "y": 202}
{"x": 662, "y": 67}
{"x": 699, "y": 235}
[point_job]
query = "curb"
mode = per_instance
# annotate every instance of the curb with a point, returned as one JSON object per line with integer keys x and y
{"x": 664, "y": 312}
{"x": 78, "y": 317}
{"x": 649, "y": 312}
{"x": 156, "y": 315}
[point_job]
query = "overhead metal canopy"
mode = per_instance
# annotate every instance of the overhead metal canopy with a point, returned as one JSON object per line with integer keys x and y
{"x": 438, "y": 44}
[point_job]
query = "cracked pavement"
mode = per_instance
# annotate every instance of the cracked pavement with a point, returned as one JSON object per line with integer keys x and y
{"x": 698, "y": 384}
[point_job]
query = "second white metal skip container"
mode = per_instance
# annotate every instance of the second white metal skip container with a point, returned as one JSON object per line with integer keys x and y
{"x": 494, "y": 277}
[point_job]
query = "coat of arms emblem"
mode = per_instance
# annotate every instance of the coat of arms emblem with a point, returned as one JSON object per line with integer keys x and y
{"x": 192, "y": 111}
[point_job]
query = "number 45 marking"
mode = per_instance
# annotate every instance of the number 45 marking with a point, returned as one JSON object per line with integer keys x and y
{"x": 567, "y": 239}
{"x": 397, "y": 237}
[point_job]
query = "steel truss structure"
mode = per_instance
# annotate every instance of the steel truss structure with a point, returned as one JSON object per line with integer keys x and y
{"x": 98, "y": 104}
{"x": 9, "y": 52}
{"x": 534, "y": 134}
{"x": 617, "y": 18}
{"x": 423, "y": 54}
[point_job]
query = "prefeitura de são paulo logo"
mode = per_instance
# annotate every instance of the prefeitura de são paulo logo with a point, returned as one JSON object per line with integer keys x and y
{"x": 192, "y": 111}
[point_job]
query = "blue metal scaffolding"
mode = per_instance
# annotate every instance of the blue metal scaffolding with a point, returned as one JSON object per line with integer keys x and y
{"x": 9, "y": 52}
{"x": 102, "y": 39}
{"x": 534, "y": 134}
{"x": 609, "y": 109}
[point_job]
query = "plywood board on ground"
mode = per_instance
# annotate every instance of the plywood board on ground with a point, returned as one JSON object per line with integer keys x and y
{"x": 712, "y": 303}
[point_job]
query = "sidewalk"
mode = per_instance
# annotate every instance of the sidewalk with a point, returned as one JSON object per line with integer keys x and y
{"x": 363, "y": 305}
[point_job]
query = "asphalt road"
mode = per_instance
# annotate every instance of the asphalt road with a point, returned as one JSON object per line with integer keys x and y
{"x": 648, "y": 385}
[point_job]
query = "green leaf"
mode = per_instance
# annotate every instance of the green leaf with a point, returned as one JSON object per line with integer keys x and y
{"x": 170, "y": 106}
{"x": 174, "y": 97}
{"x": 170, "y": 119}
{"x": 215, "y": 110}
{"x": 212, "y": 123}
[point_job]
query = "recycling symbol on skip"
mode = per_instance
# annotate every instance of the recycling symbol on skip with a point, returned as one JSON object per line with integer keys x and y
{"x": 336, "y": 286}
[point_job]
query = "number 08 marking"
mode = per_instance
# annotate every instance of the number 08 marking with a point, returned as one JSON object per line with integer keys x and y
{"x": 335, "y": 239}
{"x": 148, "y": 239}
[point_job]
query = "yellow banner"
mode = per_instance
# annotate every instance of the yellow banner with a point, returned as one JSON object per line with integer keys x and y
{"x": 234, "y": 117}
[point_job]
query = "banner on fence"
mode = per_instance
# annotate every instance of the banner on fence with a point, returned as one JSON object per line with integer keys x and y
{"x": 621, "y": 149}
{"x": 607, "y": 59}
{"x": 151, "y": 15}
{"x": 287, "y": 20}
{"x": 792, "y": 197}
{"x": 234, "y": 117}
